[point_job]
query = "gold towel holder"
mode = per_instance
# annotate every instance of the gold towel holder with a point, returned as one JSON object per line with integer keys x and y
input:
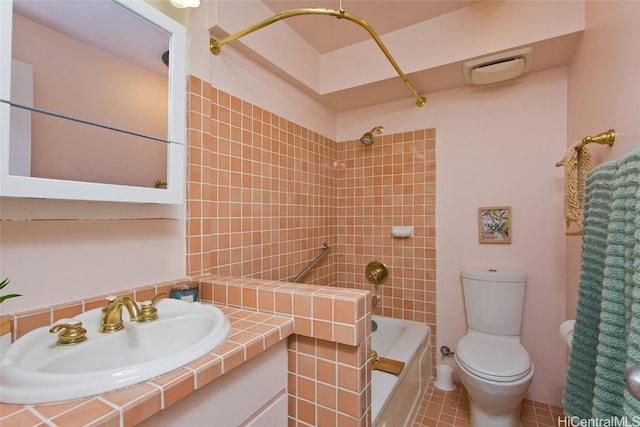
{"x": 607, "y": 138}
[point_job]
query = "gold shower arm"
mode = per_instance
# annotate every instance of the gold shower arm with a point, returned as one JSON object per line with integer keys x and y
{"x": 215, "y": 45}
{"x": 607, "y": 137}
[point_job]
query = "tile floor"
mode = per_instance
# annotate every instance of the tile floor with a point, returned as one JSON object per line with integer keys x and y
{"x": 451, "y": 409}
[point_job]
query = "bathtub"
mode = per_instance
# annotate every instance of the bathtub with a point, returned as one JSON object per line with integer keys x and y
{"x": 396, "y": 399}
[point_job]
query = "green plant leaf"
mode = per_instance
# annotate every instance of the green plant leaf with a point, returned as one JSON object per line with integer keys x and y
{"x": 4, "y": 297}
{"x": 4, "y": 283}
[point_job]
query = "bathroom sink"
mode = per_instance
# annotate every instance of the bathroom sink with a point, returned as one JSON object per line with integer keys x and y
{"x": 36, "y": 370}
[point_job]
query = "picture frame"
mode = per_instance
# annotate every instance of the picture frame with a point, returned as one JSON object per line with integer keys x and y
{"x": 494, "y": 224}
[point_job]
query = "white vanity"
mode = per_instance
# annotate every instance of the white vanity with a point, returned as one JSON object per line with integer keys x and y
{"x": 253, "y": 394}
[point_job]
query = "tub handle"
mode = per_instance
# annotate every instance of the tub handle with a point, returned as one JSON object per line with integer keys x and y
{"x": 376, "y": 272}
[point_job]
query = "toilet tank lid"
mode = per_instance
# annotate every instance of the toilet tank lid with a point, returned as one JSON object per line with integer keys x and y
{"x": 494, "y": 275}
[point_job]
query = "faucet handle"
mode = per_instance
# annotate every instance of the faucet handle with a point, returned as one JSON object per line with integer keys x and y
{"x": 71, "y": 332}
{"x": 157, "y": 297}
{"x": 148, "y": 311}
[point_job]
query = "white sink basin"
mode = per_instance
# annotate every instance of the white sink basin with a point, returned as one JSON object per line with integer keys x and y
{"x": 35, "y": 370}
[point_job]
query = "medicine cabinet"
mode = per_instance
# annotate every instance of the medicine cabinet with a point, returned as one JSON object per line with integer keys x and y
{"x": 92, "y": 101}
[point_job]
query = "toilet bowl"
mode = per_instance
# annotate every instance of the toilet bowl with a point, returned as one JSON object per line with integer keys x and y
{"x": 492, "y": 364}
{"x": 496, "y": 373}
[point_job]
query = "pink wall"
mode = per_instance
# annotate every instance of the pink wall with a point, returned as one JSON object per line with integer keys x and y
{"x": 497, "y": 146}
{"x": 241, "y": 77}
{"x": 604, "y": 89}
{"x": 51, "y": 262}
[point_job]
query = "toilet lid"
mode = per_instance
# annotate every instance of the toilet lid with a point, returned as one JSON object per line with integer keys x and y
{"x": 493, "y": 358}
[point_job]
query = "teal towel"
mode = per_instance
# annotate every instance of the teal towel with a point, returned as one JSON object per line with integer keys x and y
{"x": 629, "y": 174}
{"x": 607, "y": 329}
{"x": 579, "y": 386}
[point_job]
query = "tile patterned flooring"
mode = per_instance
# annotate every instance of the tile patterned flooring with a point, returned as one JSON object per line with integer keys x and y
{"x": 451, "y": 409}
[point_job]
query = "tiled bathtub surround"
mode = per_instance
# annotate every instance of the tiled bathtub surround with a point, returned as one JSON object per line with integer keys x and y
{"x": 328, "y": 336}
{"x": 391, "y": 183}
{"x": 265, "y": 193}
{"x": 324, "y": 313}
{"x": 261, "y": 191}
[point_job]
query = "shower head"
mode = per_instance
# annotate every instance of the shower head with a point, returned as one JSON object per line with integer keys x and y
{"x": 367, "y": 138}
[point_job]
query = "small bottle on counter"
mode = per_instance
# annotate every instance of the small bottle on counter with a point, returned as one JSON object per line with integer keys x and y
{"x": 185, "y": 291}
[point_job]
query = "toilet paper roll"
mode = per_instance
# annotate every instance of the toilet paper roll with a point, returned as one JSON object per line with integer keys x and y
{"x": 444, "y": 378}
{"x": 566, "y": 331}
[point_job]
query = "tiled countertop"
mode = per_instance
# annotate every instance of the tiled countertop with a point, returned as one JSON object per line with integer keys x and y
{"x": 328, "y": 321}
{"x": 251, "y": 333}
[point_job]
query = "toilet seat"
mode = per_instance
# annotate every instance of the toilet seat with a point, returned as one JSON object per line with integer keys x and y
{"x": 493, "y": 358}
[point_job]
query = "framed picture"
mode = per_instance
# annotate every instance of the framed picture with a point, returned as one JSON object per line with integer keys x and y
{"x": 494, "y": 224}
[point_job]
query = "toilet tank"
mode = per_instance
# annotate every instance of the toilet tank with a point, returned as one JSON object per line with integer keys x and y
{"x": 493, "y": 300}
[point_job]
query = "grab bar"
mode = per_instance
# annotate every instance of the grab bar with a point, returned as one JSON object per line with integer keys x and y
{"x": 325, "y": 250}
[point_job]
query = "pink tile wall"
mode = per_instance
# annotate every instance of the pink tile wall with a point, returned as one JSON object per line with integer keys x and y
{"x": 261, "y": 191}
{"x": 265, "y": 193}
{"x": 328, "y": 354}
{"x": 390, "y": 183}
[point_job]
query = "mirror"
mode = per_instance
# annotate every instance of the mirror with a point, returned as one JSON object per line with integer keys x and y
{"x": 93, "y": 109}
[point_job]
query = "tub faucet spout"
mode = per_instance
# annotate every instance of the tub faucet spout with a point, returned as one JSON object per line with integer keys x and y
{"x": 111, "y": 320}
{"x": 375, "y": 300}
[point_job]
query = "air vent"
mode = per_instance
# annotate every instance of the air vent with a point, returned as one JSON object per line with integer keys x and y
{"x": 499, "y": 67}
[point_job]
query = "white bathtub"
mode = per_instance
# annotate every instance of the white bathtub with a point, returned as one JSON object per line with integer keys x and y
{"x": 396, "y": 399}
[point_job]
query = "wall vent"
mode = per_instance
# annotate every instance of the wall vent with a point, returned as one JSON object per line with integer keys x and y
{"x": 499, "y": 67}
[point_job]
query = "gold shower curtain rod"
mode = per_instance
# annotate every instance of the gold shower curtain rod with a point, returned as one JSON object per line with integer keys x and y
{"x": 215, "y": 45}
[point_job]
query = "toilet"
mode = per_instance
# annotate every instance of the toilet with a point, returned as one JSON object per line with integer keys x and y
{"x": 492, "y": 364}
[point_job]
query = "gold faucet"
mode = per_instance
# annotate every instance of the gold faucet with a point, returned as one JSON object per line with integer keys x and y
{"x": 111, "y": 320}
{"x": 148, "y": 310}
{"x": 70, "y": 331}
{"x": 375, "y": 300}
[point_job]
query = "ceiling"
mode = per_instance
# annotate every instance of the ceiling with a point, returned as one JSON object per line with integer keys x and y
{"x": 385, "y": 16}
{"x": 326, "y": 35}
